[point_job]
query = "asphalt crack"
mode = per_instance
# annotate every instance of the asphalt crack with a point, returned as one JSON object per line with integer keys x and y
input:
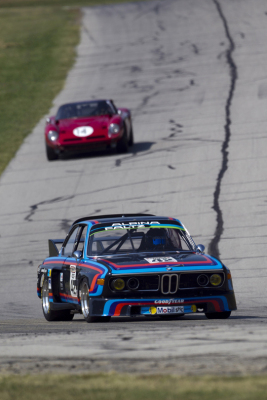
{"x": 214, "y": 244}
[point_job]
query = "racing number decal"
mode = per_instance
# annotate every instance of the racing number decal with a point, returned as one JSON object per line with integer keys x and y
{"x": 73, "y": 285}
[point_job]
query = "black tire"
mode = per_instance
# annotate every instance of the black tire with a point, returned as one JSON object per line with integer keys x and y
{"x": 218, "y": 315}
{"x": 131, "y": 140}
{"x": 52, "y": 315}
{"x": 122, "y": 144}
{"x": 84, "y": 290}
{"x": 50, "y": 153}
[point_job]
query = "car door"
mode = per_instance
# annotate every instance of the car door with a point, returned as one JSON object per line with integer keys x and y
{"x": 71, "y": 264}
{"x": 68, "y": 276}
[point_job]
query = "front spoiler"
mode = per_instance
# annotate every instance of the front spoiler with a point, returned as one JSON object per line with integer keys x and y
{"x": 131, "y": 307}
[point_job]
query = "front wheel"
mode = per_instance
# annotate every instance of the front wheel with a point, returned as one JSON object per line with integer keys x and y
{"x": 131, "y": 140}
{"x": 50, "y": 153}
{"x": 122, "y": 144}
{"x": 52, "y": 315}
{"x": 86, "y": 306}
{"x": 218, "y": 315}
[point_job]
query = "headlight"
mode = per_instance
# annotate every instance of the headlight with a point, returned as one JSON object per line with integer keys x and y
{"x": 118, "y": 284}
{"x": 202, "y": 280}
{"x": 52, "y": 135}
{"x": 133, "y": 283}
{"x": 113, "y": 129}
{"x": 215, "y": 280}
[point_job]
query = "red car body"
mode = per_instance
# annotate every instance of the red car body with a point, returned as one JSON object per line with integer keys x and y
{"x": 86, "y": 126}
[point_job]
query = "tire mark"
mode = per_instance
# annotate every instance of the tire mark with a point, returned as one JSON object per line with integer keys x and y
{"x": 34, "y": 207}
{"x": 213, "y": 247}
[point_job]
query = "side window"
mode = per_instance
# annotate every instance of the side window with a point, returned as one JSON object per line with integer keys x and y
{"x": 68, "y": 250}
{"x": 82, "y": 239}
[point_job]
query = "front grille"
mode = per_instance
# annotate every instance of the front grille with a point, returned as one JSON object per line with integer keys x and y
{"x": 169, "y": 283}
{"x": 95, "y": 137}
{"x": 148, "y": 282}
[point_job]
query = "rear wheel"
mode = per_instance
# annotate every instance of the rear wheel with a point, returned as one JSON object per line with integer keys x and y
{"x": 50, "y": 153}
{"x": 85, "y": 305}
{"x": 52, "y": 315}
{"x": 218, "y": 315}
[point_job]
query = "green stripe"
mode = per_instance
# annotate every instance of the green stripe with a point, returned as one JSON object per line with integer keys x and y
{"x": 150, "y": 226}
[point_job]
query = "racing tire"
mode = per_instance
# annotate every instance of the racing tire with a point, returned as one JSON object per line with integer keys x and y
{"x": 131, "y": 140}
{"x": 122, "y": 144}
{"x": 218, "y": 315}
{"x": 52, "y": 315}
{"x": 84, "y": 297}
{"x": 50, "y": 153}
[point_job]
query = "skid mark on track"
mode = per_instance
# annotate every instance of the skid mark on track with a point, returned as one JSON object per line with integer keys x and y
{"x": 34, "y": 207}
{"x": 214, "y": 244}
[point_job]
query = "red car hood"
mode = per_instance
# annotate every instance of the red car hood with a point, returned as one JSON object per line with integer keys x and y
{"x": 98, "y": 125}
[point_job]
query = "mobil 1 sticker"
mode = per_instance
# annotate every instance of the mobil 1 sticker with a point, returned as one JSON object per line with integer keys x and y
{"x": 170, "y": 310}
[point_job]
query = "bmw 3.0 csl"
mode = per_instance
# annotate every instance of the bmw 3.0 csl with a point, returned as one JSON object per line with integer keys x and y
{"x": 132, "y": 265}
{"x": 88, "y": 125}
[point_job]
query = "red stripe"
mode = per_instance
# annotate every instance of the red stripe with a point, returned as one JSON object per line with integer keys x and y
{"x": 162, "y": 263}
{"x": 94, "y": 282}
{"x": 118, "y": 308}
{"x": 74, "y": 263}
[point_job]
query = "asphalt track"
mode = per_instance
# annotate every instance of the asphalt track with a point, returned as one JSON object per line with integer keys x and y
{"x": 193, "y": 72}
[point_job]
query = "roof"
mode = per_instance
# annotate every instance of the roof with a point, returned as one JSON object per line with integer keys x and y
{"x": 111, "y": 216}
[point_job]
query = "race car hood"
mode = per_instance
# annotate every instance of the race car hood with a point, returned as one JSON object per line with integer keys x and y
{"x": 147, "y": 263}
{"x": 98, "y": 126}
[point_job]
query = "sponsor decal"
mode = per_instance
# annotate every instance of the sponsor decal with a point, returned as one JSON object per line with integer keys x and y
{"x": 49, "y": 272}
{"x": 83, "y": 131}
{"x": 131, "y": 225}
{"x": 153, "y": 310}
{"x": 49, "y": 284}
{"x": 73, "y": 287}
{"x": 42, "y": 281}
{"x": 61, "y": 276}
{"x": 156, "y": 260}
{"x": 170, "y": 310}
{"x": 169, "y": 301}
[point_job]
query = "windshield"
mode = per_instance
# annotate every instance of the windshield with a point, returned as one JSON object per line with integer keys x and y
{"x": 83, "y": 110}
{"x": 137, "y": 238}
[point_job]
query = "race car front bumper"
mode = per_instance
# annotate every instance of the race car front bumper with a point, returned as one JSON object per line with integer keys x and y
{"x": 160, "y": 306}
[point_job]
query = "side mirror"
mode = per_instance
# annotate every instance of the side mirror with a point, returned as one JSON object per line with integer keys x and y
{"x": 200, "y": 248}
{"x": 78, "y": 254}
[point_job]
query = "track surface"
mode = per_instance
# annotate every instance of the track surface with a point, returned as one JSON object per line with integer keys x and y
{"x": 193, "y": 72}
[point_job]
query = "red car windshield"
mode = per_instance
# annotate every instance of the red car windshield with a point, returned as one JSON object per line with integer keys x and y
{"x": 83, "y": 110}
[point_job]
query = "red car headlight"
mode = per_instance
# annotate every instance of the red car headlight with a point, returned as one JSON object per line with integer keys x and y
{"x": 52, "y": 136}
{"x": 113, "y": 130}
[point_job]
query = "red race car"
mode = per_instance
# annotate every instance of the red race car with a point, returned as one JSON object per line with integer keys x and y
{"x": 88, "y": 125}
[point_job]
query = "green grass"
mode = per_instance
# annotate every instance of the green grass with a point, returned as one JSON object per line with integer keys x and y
{"x": 75, "y": 3}
{"x": 120, "y": 387}
{"x": 37, "y": 49}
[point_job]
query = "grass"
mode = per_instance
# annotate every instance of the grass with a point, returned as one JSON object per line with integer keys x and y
{"x": 120, "y": 387}
{"x": 74, "y": 3}
{"x": 37, "y": 49}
